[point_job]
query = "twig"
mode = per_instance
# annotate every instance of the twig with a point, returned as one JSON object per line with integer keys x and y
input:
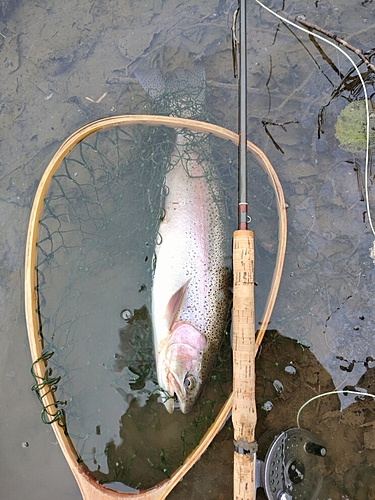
{"x": 98, "y": 100}
{"x": 329, "y": 34}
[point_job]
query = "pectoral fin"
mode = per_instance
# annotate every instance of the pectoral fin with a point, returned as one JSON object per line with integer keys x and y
{"x": 174, "y": 304}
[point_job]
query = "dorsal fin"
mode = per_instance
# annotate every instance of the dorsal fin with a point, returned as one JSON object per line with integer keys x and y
{"x": 174, "y": 304}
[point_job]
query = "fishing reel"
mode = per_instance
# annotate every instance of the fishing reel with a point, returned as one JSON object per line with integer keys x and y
{"x": 293, "y": 466}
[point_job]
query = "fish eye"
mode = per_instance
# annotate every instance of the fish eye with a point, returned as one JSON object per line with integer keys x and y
{"x": 189, "y": 382}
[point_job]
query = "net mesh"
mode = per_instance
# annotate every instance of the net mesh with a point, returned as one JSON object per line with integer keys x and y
{"x": 95, "y": 257}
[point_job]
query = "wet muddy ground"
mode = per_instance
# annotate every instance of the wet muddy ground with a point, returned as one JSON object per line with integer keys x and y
{"x": 347, "y": 470}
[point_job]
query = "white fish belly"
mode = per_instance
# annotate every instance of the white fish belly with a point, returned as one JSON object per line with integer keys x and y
{"x": 192, "y": 235}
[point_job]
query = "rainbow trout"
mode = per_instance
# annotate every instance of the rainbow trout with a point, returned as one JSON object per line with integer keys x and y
{"x": 190, "y": 296}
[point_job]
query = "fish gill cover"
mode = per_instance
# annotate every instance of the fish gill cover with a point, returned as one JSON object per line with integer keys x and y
{"x": 96, "y": 244}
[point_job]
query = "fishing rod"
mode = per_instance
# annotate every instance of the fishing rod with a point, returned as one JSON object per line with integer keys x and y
{"x": 283, "y": 473}
{"x": 243, "y": 219}
{"x": 244, "y": 408}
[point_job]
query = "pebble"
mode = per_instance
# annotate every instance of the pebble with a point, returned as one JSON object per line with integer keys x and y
{"x": 290, "y": 369}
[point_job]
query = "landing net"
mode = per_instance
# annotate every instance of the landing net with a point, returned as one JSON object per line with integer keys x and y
{"x": 95, "y": 256}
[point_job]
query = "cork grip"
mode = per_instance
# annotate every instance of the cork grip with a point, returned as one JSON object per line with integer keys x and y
{"x": 244, "y": 409}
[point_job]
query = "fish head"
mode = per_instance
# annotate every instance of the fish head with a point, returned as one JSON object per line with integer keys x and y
{"x": 180, "y": 365}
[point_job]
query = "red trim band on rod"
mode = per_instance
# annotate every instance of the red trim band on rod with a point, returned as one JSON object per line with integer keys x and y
{"x": 242, "y": 216}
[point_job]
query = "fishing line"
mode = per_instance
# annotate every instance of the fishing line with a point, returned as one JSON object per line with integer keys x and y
{"x": 310, "y": 33}
{"x": 329, "y": 394}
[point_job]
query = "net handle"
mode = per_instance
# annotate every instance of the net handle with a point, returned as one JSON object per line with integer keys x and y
{"x": 90, "y": 489}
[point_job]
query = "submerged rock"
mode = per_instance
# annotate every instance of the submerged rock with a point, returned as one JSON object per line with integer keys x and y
{"x": 7, "y": 7}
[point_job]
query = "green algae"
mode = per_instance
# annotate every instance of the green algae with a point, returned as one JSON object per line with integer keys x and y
{"x": 351, "y": 126}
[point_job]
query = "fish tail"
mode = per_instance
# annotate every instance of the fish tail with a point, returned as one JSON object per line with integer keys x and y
{"x": 183, "y": 90}
{"x": 152, "y": 81}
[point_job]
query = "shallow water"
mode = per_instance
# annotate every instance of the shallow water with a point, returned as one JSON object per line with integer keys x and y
{"x": 53, "y": 58}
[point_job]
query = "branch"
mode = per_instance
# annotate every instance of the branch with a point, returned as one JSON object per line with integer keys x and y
{"x": 341, "y": 41}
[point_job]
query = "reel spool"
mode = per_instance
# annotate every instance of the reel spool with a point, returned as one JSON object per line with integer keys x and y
{"x": 292, "y": 469}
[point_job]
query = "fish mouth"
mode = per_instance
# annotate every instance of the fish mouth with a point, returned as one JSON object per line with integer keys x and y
{"x": 170, "y": 404}
{"x": 173, "y": 397}
{"x": 169, "y": 390}
{"x": 174, "y": 391}
{"x": 178, "y": 396}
